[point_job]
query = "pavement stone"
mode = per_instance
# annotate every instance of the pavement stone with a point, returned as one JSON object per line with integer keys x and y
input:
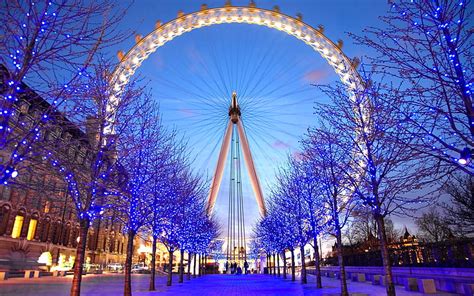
{"x": 208, "y": 285}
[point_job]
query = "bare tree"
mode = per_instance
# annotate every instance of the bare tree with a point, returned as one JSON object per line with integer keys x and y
{"x": 329, "y": 163}
{"x": 384, "y": 171}
{"x": 50, "y": 46}
{"x": 138, "y": 152}
{"x": 289, "y": 200}
{"x": 460, "y": 210}
{"x": 428, "y": 45}
{"x": 170, "y": 154}
{"x": 93, "y": 175}
{"x": 432, "y": 227}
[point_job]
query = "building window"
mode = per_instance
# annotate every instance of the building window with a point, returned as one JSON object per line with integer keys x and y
{"x": 5, "y": 193}
{"x": 45, "y": 230}
{"x": 47, "y": 205}
{"x": 4, "y": 215}
{"x": 16, "y": 232}
{"x": 32, "y": 229}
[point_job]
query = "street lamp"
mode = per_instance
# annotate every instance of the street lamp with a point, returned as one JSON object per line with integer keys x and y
{"x": 465, "y": 156}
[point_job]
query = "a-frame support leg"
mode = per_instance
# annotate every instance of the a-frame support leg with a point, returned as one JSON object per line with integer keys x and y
{"x": 251, "y": 169}
{"x": 217, "y": 178}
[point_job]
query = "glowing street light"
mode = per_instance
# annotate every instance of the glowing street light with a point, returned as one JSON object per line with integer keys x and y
{"x": 465, "y": 156}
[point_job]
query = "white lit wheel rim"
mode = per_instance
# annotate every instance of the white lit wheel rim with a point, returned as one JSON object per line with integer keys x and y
{"x": 162, "y": 34}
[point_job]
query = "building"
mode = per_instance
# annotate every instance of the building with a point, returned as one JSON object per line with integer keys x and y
{"x": 38, "y": 225}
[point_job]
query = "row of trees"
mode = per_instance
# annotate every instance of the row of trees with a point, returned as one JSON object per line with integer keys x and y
{"x": 375, "y": 150}
{"x": 125, "y": 167}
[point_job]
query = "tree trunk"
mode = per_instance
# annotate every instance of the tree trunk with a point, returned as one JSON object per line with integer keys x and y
{"x": 80, "y": 256}
{"x": 269, "y": 264}
{"x": 340, "y": 258}
{"x": 284, "y": 265}
{"x": 127, "y": 290}
{"x": 293, "y": 265}
{"x": 304, "y": 280}
{"x": 203, "y": 264}
{"x": 194, "y": 266}
{"x": 181, "y": 266}
{"x": 170, "y": 269}
{"x": 190, "y": 256}
{"x": 199, "y": 265}
{"x": 317, "y": 264}
{"x": 278, "y": 263}
{"x": 387, "y": 264}
{"x": 274, "y": 265}
{"x": 153, "y": 265}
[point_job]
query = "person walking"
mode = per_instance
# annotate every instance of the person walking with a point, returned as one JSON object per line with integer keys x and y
{"x": 246, "y": 266}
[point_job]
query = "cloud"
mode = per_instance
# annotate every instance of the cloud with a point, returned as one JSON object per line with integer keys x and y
{"x": 187, "y": 112}
{"x": 315, "y": 76}
{"x": 280, "y": 145}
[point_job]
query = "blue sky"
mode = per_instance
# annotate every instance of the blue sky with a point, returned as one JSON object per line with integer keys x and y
{"x": 193, "y": 76}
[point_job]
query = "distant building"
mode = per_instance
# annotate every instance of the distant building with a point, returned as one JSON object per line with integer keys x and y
{"x": 407, "y": 251}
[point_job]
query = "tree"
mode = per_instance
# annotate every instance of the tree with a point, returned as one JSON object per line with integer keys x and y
{"x": 51, "y": 46}
{"x": 460, "y": 210}
{"x": 289, "y": 200}
{"x": 276, "y": 232}
{"x": 363, "y": 227}
{"x": 384, "y": 171}
{"x": 329, "y": 163}
{"x": 138, "y": 153}
{"x": 184, "y": 223}
{"x": 93, "y": 175}
{"x": 169, "y": 155}
{"x": 315, "y": 216}
{"x": 432, "y": 227}
{"x": 428, "y": 45}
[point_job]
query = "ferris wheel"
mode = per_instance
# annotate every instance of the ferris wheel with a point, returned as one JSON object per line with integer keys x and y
{"x": 252, "y": 57}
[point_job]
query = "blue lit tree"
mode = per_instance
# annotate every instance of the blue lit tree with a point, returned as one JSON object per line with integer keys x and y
{"x": 330, "y": 163}
{"x": 207, "y": 230}
{"x": 183, "y": 213}
{"x": 306, "y": 186}
{"x": 428, "y": 45}
{"x": 140, "y": 148}
{"x": 192, "y": 222}
{"x": 384, "y": 171}
{"x": 278, "y": 230}
{"x": 93, "y": 174}
{"x": 289, "y": 200}
{"x": 50, "y": 46}
{"x": 170, "y": 154}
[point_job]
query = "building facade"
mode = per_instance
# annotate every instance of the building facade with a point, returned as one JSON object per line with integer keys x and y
{"x": 38, "y": 224}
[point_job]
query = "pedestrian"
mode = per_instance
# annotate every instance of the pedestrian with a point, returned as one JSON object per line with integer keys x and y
{"x": 227, "y": 267}
{"x": 246, "y": 266}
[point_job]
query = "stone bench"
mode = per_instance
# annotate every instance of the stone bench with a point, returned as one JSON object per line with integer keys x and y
{"x": 32, "y": 273}
{"x": 376, "y": 279}
{"x": 358, "y": 277}
{"x": 411, "y": 284}
{"x": 426, "y": 286}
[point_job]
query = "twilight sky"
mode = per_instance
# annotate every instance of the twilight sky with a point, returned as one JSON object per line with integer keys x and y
{"x": 194, "y": 75}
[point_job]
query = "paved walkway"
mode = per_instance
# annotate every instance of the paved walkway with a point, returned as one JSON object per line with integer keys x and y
{"x": 208, "y": 285}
